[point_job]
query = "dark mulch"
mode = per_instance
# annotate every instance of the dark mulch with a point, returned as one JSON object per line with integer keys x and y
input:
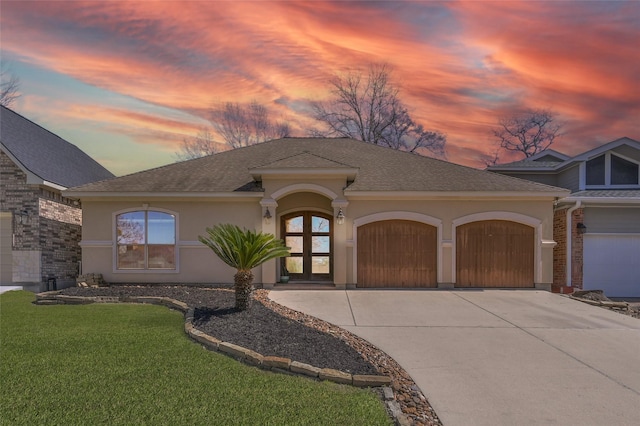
{"x": 259, "y": 328}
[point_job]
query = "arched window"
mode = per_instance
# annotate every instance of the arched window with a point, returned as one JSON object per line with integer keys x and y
{"x": 146, "y": 240}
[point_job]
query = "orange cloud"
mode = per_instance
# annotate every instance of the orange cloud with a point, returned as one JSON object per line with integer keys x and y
{"x": 460, "y": 65}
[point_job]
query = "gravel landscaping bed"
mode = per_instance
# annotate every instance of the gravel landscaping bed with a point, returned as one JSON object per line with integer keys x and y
{"x": 272, "y": 329}
{"x": 259, "y": 328}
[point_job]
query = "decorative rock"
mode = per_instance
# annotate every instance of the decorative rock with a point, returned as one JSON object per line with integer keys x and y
{"x": 372, "y": 381}
{"x": 335, "y": 376}
{"x": 276, "y": 362}
{"x": 209, "y": 342}
{"x": 231, "y": 349}
{"x": 149, "y": 299}
{"x": 306, "y": 369}
{"x": 387, "y": 393}
{"x": 47, "y": 302}
{"x": 74, "y": 300}
{"x": 90, "y": 280}
{"x": 253, "y": 357}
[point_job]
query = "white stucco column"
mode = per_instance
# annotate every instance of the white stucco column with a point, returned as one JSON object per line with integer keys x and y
{"x": 340, "y": 243}
{"x": 269, "y": 227}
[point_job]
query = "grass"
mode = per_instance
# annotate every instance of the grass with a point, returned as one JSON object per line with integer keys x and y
{"x": 133, "y": 364}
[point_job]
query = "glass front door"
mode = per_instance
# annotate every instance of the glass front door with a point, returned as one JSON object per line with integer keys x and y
{"x": 309, "y": 236}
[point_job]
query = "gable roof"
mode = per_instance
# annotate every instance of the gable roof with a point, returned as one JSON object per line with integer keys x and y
{"x": 44, "y": 156}
{"x": 538, "y": 162}
{"x": 372, "y": 167}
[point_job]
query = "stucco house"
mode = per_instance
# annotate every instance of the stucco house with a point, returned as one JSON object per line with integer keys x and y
{"x": 354, "y": 214}
{"x": 597, "y": 227}
{"x": 40, "y": 229}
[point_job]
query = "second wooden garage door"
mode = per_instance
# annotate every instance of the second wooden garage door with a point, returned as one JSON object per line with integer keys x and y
{"x": 397, "y": 253}
{"x": 494, "y": 253}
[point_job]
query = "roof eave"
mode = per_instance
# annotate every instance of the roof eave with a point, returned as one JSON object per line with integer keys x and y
{"x": 456, "y": 194}
{"x": 185, "y": 195}
{"x": 600, "y": 200}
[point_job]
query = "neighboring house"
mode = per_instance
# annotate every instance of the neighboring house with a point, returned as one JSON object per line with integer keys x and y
{"x": 40, "y": 229}
{"x": 597, "y": 227}
{"x": 353, "y": 213}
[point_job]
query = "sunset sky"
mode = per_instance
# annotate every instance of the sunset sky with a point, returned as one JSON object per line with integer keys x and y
{"x": 128, "y": 81}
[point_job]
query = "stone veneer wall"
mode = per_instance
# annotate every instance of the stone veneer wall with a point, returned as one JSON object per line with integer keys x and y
{"x": 560, "y": 251}
{"x": 60, "y": 234}
{"x": 47, "y": 245}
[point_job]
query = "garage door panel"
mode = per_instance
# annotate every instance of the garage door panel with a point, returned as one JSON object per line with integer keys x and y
{"x": 494, "y": 253}
{"x": 397, "y": 253}
{"x": 612, "y": 264}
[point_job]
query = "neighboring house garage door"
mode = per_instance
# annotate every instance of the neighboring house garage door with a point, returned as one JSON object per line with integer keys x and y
{"x": 397, "y": 253}
{"x": 494, "y": 253}
{"x": 611, "y": 263}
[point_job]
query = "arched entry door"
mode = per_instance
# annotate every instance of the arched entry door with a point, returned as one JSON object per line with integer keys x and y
{"x": 310, "y": 237}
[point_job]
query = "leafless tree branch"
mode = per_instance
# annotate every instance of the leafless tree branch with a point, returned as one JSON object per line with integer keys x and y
{"x": 243, "y": 125}
{"x": 198, "y": 146}
{"x": 528, "y": 133}
{"x": 9, "y": 87}
{"x": 368, "y": 108}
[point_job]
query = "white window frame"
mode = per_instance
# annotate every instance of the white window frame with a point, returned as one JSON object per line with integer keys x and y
{"x": 607, "y": 173}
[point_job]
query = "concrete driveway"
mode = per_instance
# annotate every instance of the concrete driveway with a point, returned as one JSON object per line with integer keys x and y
{"x": 497, "y": 357}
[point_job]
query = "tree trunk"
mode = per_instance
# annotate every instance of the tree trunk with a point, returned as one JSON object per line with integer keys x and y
{"x": 243, "y": 284}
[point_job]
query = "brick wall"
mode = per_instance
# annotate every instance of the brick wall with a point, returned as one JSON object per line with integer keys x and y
{"x": 16, "y": 197}
{"x": 560, "y": 251}
{"x": 577, "y": 249}
{"x": 52, "y": 230}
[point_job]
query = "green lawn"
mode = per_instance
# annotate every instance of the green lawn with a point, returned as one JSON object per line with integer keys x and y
{"x": 133, "y": 364}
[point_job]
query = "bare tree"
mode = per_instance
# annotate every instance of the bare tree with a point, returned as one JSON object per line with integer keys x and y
{"x": 529, "y": 133}
{"x": 368, "y": 108}
{"x": 198, "y": 146}
{"x": 243, "y": 125}
{"x": 9, "y": 86}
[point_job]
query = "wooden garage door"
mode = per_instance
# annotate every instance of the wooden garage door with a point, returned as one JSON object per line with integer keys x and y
{"x": 494, "y": 253}
{"x": 397, "y": 253}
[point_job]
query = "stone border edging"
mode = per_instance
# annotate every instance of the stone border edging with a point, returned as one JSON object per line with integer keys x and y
{"x": 272, "y": 363}
{"x": 624, "y": 306}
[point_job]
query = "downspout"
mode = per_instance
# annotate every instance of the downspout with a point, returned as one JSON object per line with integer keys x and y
{"x": 570, "y": 240}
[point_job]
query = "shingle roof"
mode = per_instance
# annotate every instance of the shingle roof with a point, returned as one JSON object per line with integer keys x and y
{"x": 532, "y": 164}
{"x": 608, "y": 193}
{"x": 304, "y": 160}
{"x": 379, "y": 169}
{"x": 527, "y": 164}
{"x": 47, "y": 155}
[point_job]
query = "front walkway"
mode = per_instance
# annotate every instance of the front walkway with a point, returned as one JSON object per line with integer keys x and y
{"x": 497, "y": 357}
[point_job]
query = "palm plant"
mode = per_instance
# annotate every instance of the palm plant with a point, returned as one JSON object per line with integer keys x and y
{"x": 244, "y": 250}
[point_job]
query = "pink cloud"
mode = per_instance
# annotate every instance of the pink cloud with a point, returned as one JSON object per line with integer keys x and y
{"x": 460, "y": 65}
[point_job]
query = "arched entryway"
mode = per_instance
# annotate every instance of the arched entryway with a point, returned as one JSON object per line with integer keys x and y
{"x": 309, "y": 234}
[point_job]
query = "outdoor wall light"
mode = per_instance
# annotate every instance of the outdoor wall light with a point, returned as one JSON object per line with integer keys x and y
{"x": 340, "y": 217}
{"x": 581, "y": 228}
{"x": 267, "y": 217}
